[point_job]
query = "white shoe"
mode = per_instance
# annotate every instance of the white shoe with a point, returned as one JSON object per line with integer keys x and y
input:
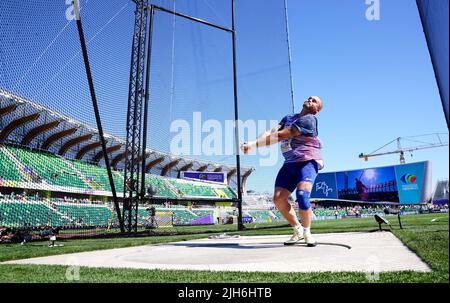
{"x": 309, "y": 240}
{"x": 294, "y": 239}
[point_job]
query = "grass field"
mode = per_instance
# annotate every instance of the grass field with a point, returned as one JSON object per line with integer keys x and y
{"x": 423, "y": 235}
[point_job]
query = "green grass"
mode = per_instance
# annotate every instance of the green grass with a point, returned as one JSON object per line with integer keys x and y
{"x": 428, "y": 239}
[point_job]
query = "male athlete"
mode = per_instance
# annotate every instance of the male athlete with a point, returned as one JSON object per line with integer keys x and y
{"x": 302, "y": 152}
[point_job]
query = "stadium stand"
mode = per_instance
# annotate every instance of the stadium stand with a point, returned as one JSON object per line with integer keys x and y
{"x": 19, "y": 212}
{"x": 164, "y": 188}
{"x": 31, "y": 214}
{"x": 56, "y": 173}
{"x": 262, "y": 216}
{"x": 39, "y": 159}
{"x": 97, "y": 177}
{"x": 48, "y": 168}
{"x": 192, "y": 189}
{"x": 8, "y": 171}
{"x": 86, "y": 215}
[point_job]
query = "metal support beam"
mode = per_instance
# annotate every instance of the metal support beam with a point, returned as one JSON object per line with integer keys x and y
{"x": 146, "y": 99}
{"x": 109, "y": 150}
{"x": 4, "y": 133}
{"x": 117, "y": 159}
{"x": 96, "y": 111}
{"x": 153, "y": 163}
{"x": 72, "y": 142}
{"x": 187, "y": 166}
{"x": 184, "y": 168}
{"x": 38, "y": 130}
{"x": 230, "y": 174}
{"x": 203, "y": 168}
{"x": 86, "y": 149}
{"x": 8, "y": 109}
{"x": 191, "y": 18}
{"x": 236, "y": 115}
{"x": 136, "y": 95}
{"x": 236, "y": 119}
{"x": 244, "y": 180}
{"x": 57, "y": 136}
{"x": 169, "y": 166}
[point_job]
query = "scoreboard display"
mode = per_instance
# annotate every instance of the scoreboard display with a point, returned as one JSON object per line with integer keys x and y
{"x": 403, "y": 184}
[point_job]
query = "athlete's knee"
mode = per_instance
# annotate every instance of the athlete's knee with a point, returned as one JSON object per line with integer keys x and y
{"x": 305, "y": 186}
{"x": 279, "y": 200}
{"x": 303, "y": 198}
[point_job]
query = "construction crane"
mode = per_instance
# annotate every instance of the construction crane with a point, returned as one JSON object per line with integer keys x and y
{"x": 436, "y": 142}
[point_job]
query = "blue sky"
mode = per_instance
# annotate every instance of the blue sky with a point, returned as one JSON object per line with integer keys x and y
{"x": 375, "y": 78}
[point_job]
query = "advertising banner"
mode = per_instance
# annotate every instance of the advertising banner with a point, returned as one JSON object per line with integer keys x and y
{"x": 404, "y": 184}
{"x": 204, "y": 176}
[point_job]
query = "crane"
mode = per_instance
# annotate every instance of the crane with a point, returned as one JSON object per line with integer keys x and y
{"x": 436, "y": 142}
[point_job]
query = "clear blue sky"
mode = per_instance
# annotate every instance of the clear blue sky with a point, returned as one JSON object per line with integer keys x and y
{"x": 375, "y": 78}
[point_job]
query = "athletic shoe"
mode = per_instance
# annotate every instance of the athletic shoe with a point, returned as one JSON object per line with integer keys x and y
{"x": 309, "y": 240}
{"x": 294, "y": 239}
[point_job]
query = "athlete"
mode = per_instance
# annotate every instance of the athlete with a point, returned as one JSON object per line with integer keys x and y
{"x": 301, "y": 148}
{"x": 362, "y": 189}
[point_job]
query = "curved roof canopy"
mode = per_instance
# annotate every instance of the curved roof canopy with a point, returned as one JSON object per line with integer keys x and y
{"x": 27, "y": 123}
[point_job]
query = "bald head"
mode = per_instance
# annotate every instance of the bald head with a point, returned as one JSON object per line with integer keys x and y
{"x": 312, "y": 105}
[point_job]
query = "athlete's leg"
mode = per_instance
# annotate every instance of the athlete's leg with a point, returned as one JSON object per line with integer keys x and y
{"x": 306, "y": 214}
{"x": 281, "y": 201}
{"x": 284, "y": 186}
{"x": 307, "y": 175}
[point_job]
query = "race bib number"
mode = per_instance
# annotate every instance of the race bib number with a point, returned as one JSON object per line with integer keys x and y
{"x": 286, "y": 146}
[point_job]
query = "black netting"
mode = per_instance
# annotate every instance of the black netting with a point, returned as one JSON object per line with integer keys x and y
{"x": 43, "y": 78}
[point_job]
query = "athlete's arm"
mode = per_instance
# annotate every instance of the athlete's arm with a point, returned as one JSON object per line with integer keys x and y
{"x": 271, "y": 137}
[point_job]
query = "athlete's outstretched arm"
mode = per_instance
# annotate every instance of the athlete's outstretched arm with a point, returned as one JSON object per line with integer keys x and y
{"x": 271, "y": 137}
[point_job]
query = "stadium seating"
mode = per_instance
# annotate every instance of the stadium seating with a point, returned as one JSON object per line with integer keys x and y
{"x": 51, "y": 170}
{"x": 193, "y": 190}
{"x": 86, "y": 215}
{"x": 18, "y": 214}
{"x": 203, "y": 213}
{"x": 278, "y": 214}
{"x": 183, "y": 217}
{"x": 48, "y": 167}
{"x": 262, "y": 216}
{"x": 163, "y": 187}
{"x": 97, "y": 177}
{"x": 324, "y": 212}
{"x": 8, "y": 171}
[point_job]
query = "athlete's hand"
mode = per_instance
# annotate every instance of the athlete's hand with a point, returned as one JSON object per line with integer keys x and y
{"x": 245, "y": 147}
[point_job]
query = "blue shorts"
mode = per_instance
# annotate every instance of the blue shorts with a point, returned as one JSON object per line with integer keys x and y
{"x": 293, "y": 173}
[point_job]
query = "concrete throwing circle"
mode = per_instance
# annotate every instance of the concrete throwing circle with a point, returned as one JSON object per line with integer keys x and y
{"x": 370, "y": 252}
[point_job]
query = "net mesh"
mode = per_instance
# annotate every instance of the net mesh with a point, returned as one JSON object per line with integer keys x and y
{"x": 42, "y": 77}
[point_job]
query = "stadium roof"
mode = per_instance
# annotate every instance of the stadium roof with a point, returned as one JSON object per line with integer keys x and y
{"x": 27, "y": 123}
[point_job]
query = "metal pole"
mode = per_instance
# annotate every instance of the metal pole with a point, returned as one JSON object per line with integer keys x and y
{"x": 96, "y": 111}
{"x": 236, "y": 122}
{"x": 289, "y": 55}
{"x": 400, "y": 221}
{"x": 191, "y": 18}
{"x": 147, "y": 84}
{"x": 127, "y": 146}
{"x": 136, "y": 127}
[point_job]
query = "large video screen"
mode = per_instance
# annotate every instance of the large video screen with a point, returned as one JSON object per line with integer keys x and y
{"x": 403, "y": 184}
